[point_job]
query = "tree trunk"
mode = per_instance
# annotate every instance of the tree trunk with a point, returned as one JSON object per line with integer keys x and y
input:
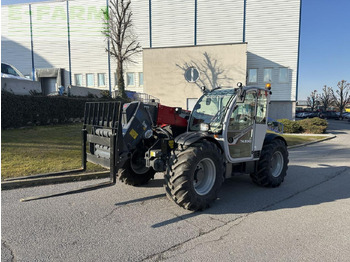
{"x": 121, "y": 83}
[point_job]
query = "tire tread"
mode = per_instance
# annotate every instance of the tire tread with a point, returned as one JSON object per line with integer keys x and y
{"x": 178, "y": 182}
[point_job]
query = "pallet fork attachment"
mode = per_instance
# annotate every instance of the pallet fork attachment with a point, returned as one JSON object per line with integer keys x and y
{"x": 102, "y": 132}
{"x": 102, "y": 135}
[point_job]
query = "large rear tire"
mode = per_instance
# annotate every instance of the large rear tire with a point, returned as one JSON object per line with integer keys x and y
{"x": 134, "y": 171}
{"x": 195, "y": 175}
{"x": 273, "y": 164}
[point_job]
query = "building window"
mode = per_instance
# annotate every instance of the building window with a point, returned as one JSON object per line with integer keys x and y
{"x": 78, "y": 79}
{"x": 191, "y": 102}
{"x": 101, "y": 79}
{"x": 283, "y": 75}
{"x": 267, "y": 75}
{"x": 141, "y": 78}
{"x": 261, "y": 112}
{"x": 130, "y": 79}
{"x": 253, "y": 75}
{"x": 90, "y": 80}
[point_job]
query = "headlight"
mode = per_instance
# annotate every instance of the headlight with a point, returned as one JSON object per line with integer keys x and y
{"x": 148, "y": 134}
{"x": 204, "y": 127}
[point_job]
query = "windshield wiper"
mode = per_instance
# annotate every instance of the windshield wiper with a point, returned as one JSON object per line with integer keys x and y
{"x": 219, "y": 87}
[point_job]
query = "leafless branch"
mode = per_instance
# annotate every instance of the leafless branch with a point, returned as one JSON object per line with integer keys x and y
{"x": 118, "y": 25}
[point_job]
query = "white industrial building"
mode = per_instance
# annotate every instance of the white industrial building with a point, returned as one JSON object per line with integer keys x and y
{"x": 66, "y": 36}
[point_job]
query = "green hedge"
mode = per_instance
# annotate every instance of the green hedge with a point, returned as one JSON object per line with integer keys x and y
{"x": 290, "y": 126}
{"x": 310, "y": 125}
{"x": 18, "y": 111}
{"x": 314, "y": 125}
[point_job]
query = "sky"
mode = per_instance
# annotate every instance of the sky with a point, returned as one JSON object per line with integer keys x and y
{"x": 324, "y": 44}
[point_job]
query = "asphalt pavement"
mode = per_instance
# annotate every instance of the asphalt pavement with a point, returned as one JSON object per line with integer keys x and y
{"x": 307, "y": 218}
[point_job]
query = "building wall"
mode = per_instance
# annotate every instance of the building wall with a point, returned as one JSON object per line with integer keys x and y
{"x": 51, "y": 45}
{"x": 164, "y": 70}
{"x": 20, "y": 86}
{"x": 279, "y": 110}
{"x": 219, "y": 21}
{"x": 270, "y": 27}
{"x": 50, "y": 39}
{"x": 172, "y": 23}
{"x": 15, "y": 37}
{"x": 88, "y": 54}
{"x": 272, "y": 34}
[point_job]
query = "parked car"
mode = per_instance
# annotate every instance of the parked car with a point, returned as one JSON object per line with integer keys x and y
{"x": 9, "y": 71}
{"x": 299, "y": 114}
{"x": 307, "y": 115}
{"x": 328, "y": 115}
{"x": 312, "y": 114}
{"x": 303, "y": 114}
{"x": 346, "y": 115}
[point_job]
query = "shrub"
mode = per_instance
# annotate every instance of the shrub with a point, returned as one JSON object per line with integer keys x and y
{"x": 105, "y": 94}
{"x": 18, "y": 111}
{"x": 290, "y": 126}
{"x": 314, "y": 125}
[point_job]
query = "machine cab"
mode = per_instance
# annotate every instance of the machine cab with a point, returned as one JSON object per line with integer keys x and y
{"x": 236, "y": 118}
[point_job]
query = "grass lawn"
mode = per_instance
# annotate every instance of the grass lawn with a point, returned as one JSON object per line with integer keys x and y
{"x": 41, "y": 149}
{"x": 54, "y": 148}
{"x": 293, "y": 140}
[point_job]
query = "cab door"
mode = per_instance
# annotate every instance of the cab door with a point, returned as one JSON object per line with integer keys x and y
{"x": 240, "y": 129}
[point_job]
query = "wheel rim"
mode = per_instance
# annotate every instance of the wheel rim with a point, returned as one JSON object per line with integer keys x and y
{"x": 138, "y": 162}
{"x": 204, "y": 176}
{"x": 276, "y": 164}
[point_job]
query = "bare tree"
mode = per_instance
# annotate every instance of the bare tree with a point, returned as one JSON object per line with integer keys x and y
{"x": 313, "y": 100}
{"x": 211, "y": 74}
{"x": 326, "y": 97}
{"x": 342, "y": 95}
{"x": 118, "y": 25}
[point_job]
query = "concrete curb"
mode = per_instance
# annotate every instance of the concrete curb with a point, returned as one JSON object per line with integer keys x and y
{"x": 329, "y": 136}
{"x": 30, "y": 182}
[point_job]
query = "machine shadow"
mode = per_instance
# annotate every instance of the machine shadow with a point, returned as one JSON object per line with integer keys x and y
{"x": 157, "y": 182}
{"x": 239, "y": 195}
{"x": 139, "y": 200}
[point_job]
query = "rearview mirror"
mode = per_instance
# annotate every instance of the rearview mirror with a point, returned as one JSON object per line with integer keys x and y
{"x": 240, "y": 95}
{"x": 197, "y": 106}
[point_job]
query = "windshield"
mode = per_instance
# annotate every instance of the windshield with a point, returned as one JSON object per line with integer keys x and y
{"x": 210, "y": 109}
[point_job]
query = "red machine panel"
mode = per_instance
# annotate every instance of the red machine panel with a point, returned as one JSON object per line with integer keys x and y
{"x": 172, "y": 116}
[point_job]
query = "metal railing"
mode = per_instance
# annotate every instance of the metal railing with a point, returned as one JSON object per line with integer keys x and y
{"x": 142, "y": 97}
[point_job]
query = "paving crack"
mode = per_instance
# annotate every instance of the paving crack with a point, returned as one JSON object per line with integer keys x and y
{"x": 108, "y": 215}
{"x": 7, "y": 247}
{"x": 220, "y": 238}
{"x": 217, "y": 219}
{"x": 161, "y": 255}
{"x": 134, "y": 202}
{"x": 188, "y": 222}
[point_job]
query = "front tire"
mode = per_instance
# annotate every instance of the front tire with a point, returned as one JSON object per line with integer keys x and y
{"x": 193, "y": 179}
{"x": 273, "y": 164}
{"x": 134, "y": 171}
